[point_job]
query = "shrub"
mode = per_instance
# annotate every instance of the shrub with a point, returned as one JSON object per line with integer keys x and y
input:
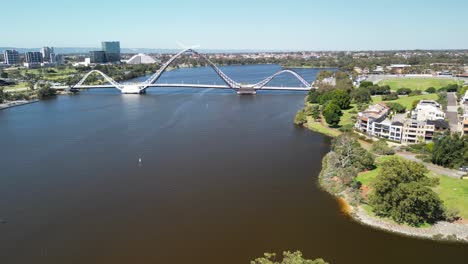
{"x": 300, "y": 117}
{"x": 389, "y": 97}
{"x": 381, "y": 148}
{"x": 431, "y": 90}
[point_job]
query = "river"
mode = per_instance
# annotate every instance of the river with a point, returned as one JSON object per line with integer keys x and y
{"x": 223, "y": 178}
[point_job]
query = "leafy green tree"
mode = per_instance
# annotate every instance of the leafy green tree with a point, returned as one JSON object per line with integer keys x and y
{"x": 2, "y": 95}
{"x": 403, "y": 91}
{"x": 4, "y": 75}
{"x": 45, "y": 92}
{"x": 431, "y": 90}
{"x": 389, "y": 97}
{"x": 450, "y": 150}
{"x": 396, "y": 107}
{"x": 300, "y": 117}
{"x": 361, "y": 95}
{"x": 403, "y": 192}
{"x": 365, "y": 84}
{"x": 288, "y": 258}
{"x": 332, "y": 113}
{"x": 381, "y": 148}
{"x": 341, "y": 98}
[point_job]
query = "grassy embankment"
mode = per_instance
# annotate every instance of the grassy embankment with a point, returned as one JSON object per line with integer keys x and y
{"x": 417, "y": 83}
{"x": 453, "y": 192}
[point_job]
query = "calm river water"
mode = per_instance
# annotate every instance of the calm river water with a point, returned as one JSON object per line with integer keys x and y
{"x": 223, "y": 179}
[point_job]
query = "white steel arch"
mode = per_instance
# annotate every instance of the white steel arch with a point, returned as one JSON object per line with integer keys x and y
{"x": 109, "y": 79}
{"x": 261, "y": 84}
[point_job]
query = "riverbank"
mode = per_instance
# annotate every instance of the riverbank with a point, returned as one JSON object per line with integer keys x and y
{"x": 17, "y": 103}
{"x": 442, "y": 231}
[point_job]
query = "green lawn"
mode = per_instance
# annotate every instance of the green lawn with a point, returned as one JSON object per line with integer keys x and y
{"x": 346, "y": 117}
{"x": 367, "y": 177}
{"x": 406, "y": 101}
{"x": 454, "y": 193}
{"x": 318, "y": 127}
{"x": 417, "y": 83}
{"x": 16, "y": 86}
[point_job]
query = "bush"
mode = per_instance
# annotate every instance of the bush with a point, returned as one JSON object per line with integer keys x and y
{"x": 431, "y": 90}
{"x": 381, "y": 148}
{"x": 415, "y": 92}
{"x": 403, "y": 91}
{"x": 300, "y": 117}
{"x": 396, "y": 107}
{"x": 389, "y": 97}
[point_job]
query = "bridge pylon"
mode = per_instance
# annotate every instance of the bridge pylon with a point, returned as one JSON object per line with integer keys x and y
{"x": 246, "y": 90}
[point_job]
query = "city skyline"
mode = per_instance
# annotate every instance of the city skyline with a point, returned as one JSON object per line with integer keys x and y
{"x": 243, "y": 25}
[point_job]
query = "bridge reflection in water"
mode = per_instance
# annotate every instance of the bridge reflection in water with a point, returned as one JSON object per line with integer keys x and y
{"x": 137, "y": 88}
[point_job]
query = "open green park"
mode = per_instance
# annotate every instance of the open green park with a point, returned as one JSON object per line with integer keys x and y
{"x": 417, "y": 83}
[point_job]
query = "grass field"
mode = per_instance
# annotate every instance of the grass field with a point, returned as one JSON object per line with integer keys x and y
{"x": 406, "y": 101}
{"x": 19, "y": 85}
{"x": 454, "y": 193}
{"x": 318, "y": 127}
{"x": 417, "y": 83}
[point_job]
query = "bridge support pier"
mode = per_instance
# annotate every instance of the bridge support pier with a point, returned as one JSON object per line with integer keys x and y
{"x": 246, "y": 90}
{"x": 132, "y": 89}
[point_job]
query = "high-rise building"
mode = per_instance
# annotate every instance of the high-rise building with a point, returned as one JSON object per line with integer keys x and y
{"x": 46, "y": 53}
{"x": 33, "y": 57}
{"x": 11, "y": 57}
{"x": 97, "y": 56}
{"x": 112, "y": 50}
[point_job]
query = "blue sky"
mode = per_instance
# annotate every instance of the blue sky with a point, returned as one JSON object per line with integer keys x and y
{"x": 237, "y": 24}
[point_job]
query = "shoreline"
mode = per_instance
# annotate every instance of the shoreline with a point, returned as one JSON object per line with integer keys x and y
{"x": 441, "y": 231}
{"x": 17, "y": 103}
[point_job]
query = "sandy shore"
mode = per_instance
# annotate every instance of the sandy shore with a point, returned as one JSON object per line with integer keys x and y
{"x": 439, "y": 231}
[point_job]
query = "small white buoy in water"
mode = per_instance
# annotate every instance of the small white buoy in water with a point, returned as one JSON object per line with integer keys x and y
{"x": 139, "y": 160}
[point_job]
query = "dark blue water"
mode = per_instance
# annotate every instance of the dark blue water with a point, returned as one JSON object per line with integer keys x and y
{"x": 223, "y": 179}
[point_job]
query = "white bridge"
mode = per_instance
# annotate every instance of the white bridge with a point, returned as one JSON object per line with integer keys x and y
{"x": 137, "y": 88}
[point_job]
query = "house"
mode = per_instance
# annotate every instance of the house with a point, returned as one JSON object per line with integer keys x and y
{"x": 427, "y": 110}
{"x": 374, "y": 113}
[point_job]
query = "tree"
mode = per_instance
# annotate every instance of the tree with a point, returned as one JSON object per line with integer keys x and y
{"x": 288, "y": 258}
{"x": 450, "y": 150}
{"x": 381, "y": 147}
{"x": 2, "y": 95}
{"x": 300, "y": 117}
{"x": 403, "y": 91}
{"x": 431, "y": 90}
{"x": 396, "y": 107}
{"x": 361, "y": 95}
{"x": 45, "y": 92}
{"x": 403, "y": 192}
{"x": 4, "y": 75}
{"x": 332, "y": 113}
{"x": 341, "y": 98}
{"x": 365, "y": 84}
{"x": 389, "y": 97}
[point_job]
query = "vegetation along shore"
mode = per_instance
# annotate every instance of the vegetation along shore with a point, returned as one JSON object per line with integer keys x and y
{"x": 383, "y": 183}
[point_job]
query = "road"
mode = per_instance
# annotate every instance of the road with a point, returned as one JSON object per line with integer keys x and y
{"x": 437, "y": 169}
{"x": 452, "y": 111}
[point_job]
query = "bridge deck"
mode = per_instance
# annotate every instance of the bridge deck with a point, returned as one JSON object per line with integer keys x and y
{"x": 181, "y": 85}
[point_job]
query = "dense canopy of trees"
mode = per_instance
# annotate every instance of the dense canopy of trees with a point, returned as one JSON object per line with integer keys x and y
{"x": 403, "y": 192}
{"x": 450, "y": 150}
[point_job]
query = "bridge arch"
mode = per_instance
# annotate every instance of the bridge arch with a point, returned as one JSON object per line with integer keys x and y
{"x": 154, "y": 78}
{"x": 264, "y": 82}
{"x": 106, "y": 77}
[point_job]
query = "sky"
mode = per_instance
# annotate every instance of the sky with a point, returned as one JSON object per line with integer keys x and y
{"x": 237, "y": 24}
